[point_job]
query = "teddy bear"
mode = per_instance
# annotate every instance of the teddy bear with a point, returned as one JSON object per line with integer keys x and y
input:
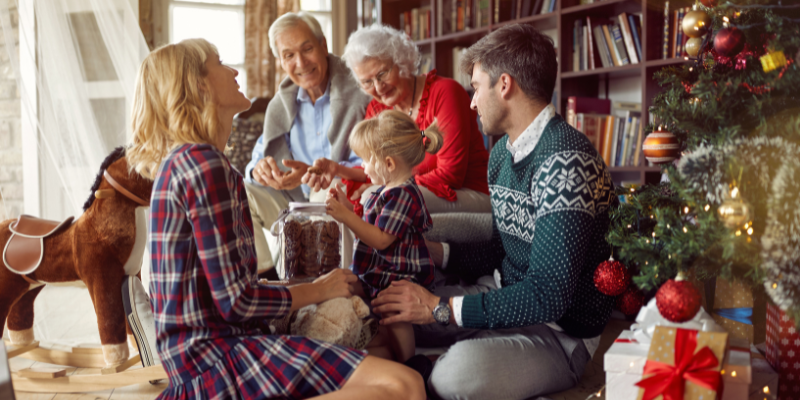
{"x": 337, "y": 321}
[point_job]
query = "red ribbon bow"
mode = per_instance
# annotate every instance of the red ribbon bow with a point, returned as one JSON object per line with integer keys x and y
{"x": 668, "y": 380}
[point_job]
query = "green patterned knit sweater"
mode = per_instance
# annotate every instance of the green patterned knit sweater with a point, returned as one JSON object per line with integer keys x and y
{"x": 549, "y": 221}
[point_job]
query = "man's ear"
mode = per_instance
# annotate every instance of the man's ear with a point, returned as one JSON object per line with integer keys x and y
{"x": 505, "y": 85}
{"x": 391, "y": 165}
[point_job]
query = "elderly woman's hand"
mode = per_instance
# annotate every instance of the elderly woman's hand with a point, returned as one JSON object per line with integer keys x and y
{"x": 321, "y": 174}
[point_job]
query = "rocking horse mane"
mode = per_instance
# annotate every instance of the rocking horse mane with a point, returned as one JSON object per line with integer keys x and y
{"x": 115, "y": 155}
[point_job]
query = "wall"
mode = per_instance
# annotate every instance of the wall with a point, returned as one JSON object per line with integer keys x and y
{"x": 11, "y": 193}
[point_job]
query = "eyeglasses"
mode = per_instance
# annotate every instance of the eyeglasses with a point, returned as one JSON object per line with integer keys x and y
{"x": 379, "y": 78}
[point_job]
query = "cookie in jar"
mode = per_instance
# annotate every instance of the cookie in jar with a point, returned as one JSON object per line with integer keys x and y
{"x": 311, "y": 242}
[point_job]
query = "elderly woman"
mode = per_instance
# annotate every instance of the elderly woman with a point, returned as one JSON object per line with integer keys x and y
{"x": 384, "y": 62}
{"x": 205, "y": 295}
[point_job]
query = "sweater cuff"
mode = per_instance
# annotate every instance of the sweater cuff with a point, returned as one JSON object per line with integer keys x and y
{"x": 473, "y": 314}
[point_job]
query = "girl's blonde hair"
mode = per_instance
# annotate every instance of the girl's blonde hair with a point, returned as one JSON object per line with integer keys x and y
{"x": 169, "y": 106}
{"x": 394, "y": 134}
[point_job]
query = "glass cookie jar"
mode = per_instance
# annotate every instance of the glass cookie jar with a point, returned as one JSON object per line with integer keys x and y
{"x": 310, "y": 242}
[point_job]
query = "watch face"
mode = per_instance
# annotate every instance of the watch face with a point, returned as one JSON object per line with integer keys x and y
{"x": 441, "y": 314}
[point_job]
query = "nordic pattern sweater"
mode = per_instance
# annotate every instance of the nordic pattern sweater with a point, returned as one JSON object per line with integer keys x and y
{"x": 549, "y": 221}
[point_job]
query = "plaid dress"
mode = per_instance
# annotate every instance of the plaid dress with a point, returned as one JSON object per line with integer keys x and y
{"x": 207, "y": 300}
{"x": 399, "y": 211}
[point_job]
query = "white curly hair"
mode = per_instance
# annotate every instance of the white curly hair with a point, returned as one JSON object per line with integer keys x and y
{"x": 290, "y": 20}
{"x": 384, "y": 43}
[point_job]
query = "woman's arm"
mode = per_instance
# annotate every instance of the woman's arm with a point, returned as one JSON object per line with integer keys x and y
{"x": 206, "y": 189}
{"x": 455, "y": 120}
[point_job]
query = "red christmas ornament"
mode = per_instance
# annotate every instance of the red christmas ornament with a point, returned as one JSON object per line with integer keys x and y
{"x": 611, "y": 278}
{"x": 631, "y": 301}
{"x": 678, "y": 301}
{"x": 729, "y": 41}
{"x": 709, "y": 3}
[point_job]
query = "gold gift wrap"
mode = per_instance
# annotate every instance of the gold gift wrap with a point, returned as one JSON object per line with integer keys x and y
{"x": 662, "y": 349}
{"x": 736, "y": 294}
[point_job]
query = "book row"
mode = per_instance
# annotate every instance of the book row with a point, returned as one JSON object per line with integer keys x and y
{"x": 604, "y": 43}
{"x": 615, "y": 129}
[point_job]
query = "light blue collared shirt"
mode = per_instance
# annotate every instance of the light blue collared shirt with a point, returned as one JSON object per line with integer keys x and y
{"x": 308, "y": 137}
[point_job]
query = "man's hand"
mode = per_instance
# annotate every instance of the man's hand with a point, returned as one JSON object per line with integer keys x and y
{"x": 267, "y": 173}
{"x": 411, "y": 303}
{"x": 321, "y": 174}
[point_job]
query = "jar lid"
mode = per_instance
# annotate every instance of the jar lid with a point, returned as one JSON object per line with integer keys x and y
{"x": 307, "y": 207}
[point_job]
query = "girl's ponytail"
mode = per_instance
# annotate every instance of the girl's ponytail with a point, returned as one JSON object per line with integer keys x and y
{"x": 433, "y": 138}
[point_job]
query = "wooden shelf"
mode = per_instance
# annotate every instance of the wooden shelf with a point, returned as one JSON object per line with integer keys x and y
{"x": 666, "y": 62}
{"x": 640, "y": 168}
{"x": 569, "y": 83}
{"x": 598, "y": 5}
{"x": 616, "y": 72}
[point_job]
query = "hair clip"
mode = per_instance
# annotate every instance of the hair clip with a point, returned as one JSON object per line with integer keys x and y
{"x": 422, "y": 132}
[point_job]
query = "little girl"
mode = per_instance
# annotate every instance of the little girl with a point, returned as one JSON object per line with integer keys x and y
{"x": 390, "y": 245}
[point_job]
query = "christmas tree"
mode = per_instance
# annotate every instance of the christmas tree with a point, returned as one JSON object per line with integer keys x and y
{"x": 731, "y": 119}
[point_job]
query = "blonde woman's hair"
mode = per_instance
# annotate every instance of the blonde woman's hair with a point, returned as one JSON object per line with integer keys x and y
{"x": 169, "y": 107}
{"x": 394, "y": 134}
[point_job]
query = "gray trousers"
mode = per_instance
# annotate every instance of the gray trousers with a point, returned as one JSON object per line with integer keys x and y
{"x": 517, "y": 363}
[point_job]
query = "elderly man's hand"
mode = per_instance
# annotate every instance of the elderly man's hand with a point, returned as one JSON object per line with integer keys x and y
{"x": 411, "y": 303}
{"x": 267, "y": 173}
{"x": 321, "y": 174}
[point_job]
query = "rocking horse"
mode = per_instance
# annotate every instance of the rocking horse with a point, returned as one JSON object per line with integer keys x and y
{"x": 100, "y": 250}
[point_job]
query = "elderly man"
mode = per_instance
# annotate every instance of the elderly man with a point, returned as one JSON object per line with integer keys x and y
{"x": 309, "y": 118}
{"x": 532, "y": 306}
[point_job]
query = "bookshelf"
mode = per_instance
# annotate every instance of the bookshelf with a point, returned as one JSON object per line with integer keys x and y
{"x": 599, "y": 82}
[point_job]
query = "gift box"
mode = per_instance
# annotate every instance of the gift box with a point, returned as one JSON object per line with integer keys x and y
{"x": 624, "y": 364}
{"x": 783, "y": 352}
{"x": 737, "y": 307}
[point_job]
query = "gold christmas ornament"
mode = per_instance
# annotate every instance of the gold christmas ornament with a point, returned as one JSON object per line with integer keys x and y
{"x": 772, "y": 60}
{"x": 693, "y": 45}
{"x": 696, "y": 23}
{"x": 734, "y": 212}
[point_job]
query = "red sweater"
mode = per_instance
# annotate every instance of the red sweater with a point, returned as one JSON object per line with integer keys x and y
{"x": 463, "y": 161}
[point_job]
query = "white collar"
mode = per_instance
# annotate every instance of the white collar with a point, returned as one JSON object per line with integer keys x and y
{"x": 527, "y": 141}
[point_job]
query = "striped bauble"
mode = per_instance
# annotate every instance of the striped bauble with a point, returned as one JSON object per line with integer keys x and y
{"x": 661, "y": 147}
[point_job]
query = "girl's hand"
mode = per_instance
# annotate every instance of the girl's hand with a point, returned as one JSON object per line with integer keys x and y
{"x": 336, "y": 283}
{"x": 336, "y": 209}
{"x": 321, "y": 174}
{"x": 337, "y": 193}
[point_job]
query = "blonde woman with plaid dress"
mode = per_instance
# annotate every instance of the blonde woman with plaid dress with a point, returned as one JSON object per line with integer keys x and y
{"x": 205, "y": 294}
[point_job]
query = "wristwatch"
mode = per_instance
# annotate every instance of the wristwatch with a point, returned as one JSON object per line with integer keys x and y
{"x": 442, "y": 311}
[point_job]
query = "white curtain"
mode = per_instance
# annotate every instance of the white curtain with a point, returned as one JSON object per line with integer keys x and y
{"x": 76, "y": 91}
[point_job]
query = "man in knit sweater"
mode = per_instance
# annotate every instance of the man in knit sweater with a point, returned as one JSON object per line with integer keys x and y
{"x": 529, "y": 297}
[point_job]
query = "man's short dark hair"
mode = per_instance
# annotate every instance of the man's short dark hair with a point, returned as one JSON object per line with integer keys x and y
{"x": 520, "y": 51}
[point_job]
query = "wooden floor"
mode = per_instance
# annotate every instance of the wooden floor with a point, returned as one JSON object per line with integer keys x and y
{"x": 591, "y": 383}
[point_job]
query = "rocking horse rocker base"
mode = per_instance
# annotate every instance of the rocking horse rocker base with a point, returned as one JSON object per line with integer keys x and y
{"x": 102, "y": 250}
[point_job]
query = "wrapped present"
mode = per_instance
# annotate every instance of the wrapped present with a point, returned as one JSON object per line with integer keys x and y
{"x": 624, "y": 362}
{"x": 783, "y": 352}
{"x": 764, "y": 385}
{"x": 683, "y": 364}
{"x": 738, "y": 308}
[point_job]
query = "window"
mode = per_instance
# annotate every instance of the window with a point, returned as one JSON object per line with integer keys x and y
{"x": 321, "y": 10}
{"x": 221, "y": 22}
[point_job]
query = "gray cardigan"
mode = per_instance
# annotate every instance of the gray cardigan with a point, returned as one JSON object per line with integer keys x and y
{"x": 348, "y": 105}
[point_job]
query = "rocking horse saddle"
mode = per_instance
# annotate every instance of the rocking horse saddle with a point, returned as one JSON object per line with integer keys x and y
{"x": 24, "y": 249}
